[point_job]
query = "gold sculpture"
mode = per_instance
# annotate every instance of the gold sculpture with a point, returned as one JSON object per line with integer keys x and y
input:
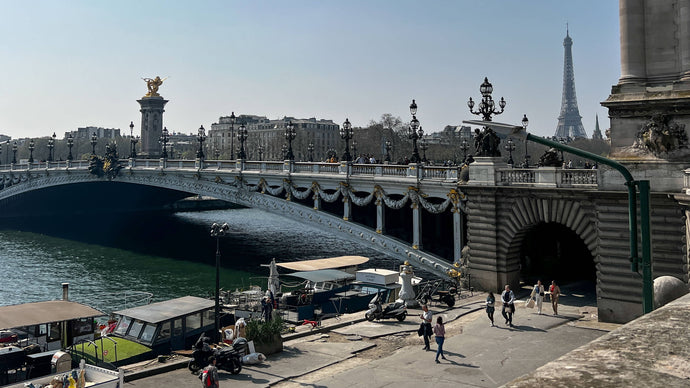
{"x": 152, "y": 85}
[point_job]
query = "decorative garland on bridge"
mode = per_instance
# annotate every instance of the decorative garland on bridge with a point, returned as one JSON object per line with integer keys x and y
{"x": 455, "y": 197}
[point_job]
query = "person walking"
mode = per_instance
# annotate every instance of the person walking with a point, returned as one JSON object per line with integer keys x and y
{"x": 555, "y": 292}
{"x": 490, "y": 302}
{"x": 426, "y": 324}
{"x": 440, "y": 333}
{"x": 209, "y": 375}
{"x": 508, "y": 299}
{"x": 538, "y": 292}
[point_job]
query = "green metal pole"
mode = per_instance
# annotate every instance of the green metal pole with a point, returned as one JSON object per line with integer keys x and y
{"x": 645, "y": 231}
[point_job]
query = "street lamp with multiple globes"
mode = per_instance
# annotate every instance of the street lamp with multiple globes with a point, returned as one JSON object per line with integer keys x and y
{"x": 218, "y": 231}
{"x": 415, "y": 133}
{"x": 525, "y": 121}
{"x": 310, "y": 150}
{"x": 232, "y": 135}
{"x": 346, "y": 132}
{"x": 14, "y": 153}
{"x": 31, "y": 150}
{"x": 488, "y": 140}
{"x": 290, "y": 136}
{"x": 133, "y": 141}
{"x": 242, "y": 136}
{"x": 70, "y": 143}
{"x": 388, "y": 146}
{"x": 51, "y": 145}
{"x": 165, "y": 137}
{"x": 94, "y": 141}
{"x": 201, "y": 136}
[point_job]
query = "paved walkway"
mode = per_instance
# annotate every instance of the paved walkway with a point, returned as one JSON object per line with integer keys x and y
{"x": 481, "y": 356}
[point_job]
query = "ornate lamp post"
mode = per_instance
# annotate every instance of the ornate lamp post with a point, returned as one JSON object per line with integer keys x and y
{"x": 51, "y": 145}
{"x": 242, "y": 136}
{"x": 290, "y": 136}
{"x": 424, "y": 146}
{"x": 464, "y": 146}
{"x": 133, "y": 141}
{"x": 232, "y": 135}
{"x": 94, "y": 141}
{"x": 260, "y": 149}
{"x": 388, "y": 146}
{"x": 165, "y": 137}
{"x": 525, "y": 121}
{"x": 14, "y": 153}
{"x": 415, "y": 133}
{"x": 31, "y": 150}
{"x": 201, "y": 136}
{"x": 346, "y": 133}
{"x": 487, "y": 108}
{"x": 310, "y": 150}
{"x": 70, "y": 143}
{"x": 217, "y": 231}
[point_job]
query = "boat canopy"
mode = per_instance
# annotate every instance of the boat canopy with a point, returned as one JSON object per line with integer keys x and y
{"x": 323, "y": 275}
{"x": 162, "y": 311}
{"x": 38, "y": 313}
{"x": 321, "y": 264}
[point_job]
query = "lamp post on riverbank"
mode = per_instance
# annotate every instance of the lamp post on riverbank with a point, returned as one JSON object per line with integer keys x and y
{"x": 70, "y": 144}
{"x": 347, "y": 133}
{"x": 413, "y": 134}
{"x": 217, "y": 231}
{"x": 51, "y": 145}
{"x": 290, "y": 136}
{"x": 201, "y": 136}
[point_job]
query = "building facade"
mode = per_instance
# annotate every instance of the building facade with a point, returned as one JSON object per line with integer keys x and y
{"x": 268, "y": 136}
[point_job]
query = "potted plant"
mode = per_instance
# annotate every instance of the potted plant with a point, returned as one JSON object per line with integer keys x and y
{"x": 266, "y": 335}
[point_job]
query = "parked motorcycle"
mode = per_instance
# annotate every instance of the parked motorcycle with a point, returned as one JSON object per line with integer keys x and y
{"x": 227, "y": 357}
{"x": 397, "y": 310}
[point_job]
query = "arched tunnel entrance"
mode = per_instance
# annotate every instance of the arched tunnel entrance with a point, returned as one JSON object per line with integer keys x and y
{"x": 552, "y": 251}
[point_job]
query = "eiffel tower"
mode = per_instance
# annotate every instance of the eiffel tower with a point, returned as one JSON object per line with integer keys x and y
{"x": 569, "y": 121}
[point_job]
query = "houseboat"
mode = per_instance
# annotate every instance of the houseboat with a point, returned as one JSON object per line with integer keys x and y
{"x": 169, "y": 325}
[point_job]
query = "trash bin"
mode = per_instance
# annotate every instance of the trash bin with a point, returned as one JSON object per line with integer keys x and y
{"x": 39, "y": 364}
{"x": 61, "y": 362}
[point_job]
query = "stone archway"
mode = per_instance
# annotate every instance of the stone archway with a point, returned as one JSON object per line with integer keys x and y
{"x": 569, "y": 232}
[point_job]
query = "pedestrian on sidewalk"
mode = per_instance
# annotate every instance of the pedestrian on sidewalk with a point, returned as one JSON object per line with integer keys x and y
{"x": 555, "y": 292}
{"x": 209, "y": 375}
{"x": 508, "y": 299}
{"x": 440, "y": 333}
{"x": 426, "y": 326}
{"x": 490, "y": 302}
{"x": 538, "y": 292}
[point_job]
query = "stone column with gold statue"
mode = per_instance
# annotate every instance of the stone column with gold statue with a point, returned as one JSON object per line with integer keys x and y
{"x": 152, "y": 118}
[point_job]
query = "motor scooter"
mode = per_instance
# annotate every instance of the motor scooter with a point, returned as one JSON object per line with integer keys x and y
{"x": 397, "y": 310}
{"x": 227, "y": 357}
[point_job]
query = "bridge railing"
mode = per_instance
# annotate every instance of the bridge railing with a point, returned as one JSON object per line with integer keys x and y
{"x": 547, "y": 176}
{"x": 542, "y": 176}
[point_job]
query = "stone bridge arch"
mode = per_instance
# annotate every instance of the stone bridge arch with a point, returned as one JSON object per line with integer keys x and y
{"x": 500, "y": 222}
{"x": 234, "y": 188}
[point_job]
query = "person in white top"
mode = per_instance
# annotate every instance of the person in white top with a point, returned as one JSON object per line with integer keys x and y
{"x": 426, "y": 324}
{"x": 538, "y": 294}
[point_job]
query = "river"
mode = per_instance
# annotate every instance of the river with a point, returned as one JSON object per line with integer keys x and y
{"x": 167, "y": 255}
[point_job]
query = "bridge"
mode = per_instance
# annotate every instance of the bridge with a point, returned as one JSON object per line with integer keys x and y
{"x": 515, "y": 225}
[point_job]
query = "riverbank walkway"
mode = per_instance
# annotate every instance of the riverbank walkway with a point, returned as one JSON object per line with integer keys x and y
{"x": 563, "y": 350}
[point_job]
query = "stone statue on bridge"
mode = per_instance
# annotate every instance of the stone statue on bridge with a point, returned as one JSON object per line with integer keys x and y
{"x": 550, "y": 159}
{"x": 486, "y": 143}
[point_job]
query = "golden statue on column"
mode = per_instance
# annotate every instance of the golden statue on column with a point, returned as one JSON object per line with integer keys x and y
{"x": 152, "y": 84}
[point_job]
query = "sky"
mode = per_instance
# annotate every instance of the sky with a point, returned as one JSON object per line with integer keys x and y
{"x": 70, "y": 64}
